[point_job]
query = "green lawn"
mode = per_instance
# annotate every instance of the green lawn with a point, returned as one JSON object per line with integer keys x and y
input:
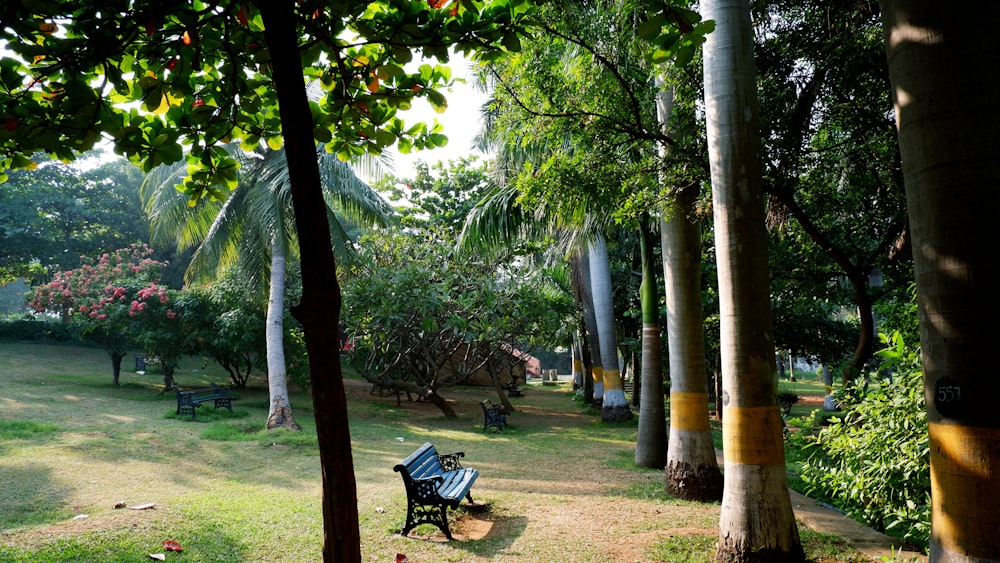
{"x": 72, "y": 446}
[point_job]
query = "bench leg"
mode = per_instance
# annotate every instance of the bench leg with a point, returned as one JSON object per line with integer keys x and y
{"x": 417, "y": 514}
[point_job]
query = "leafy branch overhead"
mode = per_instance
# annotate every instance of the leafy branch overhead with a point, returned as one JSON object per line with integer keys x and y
{"x": 161, "y": 81}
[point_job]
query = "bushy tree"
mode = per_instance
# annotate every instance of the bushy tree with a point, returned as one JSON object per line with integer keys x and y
{"x": 97, "y": 297}
{"x": 425, "y": 319}
{"x": 227, "y": 325}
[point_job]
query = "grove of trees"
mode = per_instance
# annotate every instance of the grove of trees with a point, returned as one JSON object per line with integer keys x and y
{"x": 805, "y": 162}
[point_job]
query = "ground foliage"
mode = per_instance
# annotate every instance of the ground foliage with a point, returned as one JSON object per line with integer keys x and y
{"x": 874, "y": 460}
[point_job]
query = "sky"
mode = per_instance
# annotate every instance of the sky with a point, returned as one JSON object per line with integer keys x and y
{"x": 461, "y": 123}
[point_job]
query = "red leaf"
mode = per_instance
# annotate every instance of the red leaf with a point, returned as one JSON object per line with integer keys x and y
{"x": 171, "y": 545}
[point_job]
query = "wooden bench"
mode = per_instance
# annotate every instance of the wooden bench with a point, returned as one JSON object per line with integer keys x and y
{"x": 434, "y": 482}
{"x": 494, "y": 416}
{"x": 188, "y": 401}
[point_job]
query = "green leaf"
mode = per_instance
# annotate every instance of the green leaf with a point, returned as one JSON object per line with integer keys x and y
{"x": 650, "y": 28}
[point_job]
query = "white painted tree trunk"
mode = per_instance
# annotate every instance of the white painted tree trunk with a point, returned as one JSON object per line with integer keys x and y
{"x": 756, "y": 522}
{"x": 614, "y": 408}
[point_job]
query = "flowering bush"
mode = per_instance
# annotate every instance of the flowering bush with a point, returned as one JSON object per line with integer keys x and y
{"x": 102, "y": 297}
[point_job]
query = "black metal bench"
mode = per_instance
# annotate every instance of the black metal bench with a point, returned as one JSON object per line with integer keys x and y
{"x": 144, "y": 362}
{"x": 434, "y": 482}
{"x": 188, "y": 401}
{"x": 494, "y": 416}
{"x": 513, "y": 390}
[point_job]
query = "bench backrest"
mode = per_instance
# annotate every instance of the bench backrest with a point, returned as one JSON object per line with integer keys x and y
{"x": 422, "y": 463}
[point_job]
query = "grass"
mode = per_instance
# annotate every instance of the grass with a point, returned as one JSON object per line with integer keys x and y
{"x": 71, "y": 445}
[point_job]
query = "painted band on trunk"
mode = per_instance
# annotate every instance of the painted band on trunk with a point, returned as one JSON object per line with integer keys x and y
{"x": 689, "y": 411}
{"x": 753, "y": 435}
{"x": 964, "y": 494}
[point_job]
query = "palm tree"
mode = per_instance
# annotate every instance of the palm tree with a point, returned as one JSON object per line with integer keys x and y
{"x": 692, "y": 471}
{"x": 756, "y": 516}
{"x": 651, "y": 441}
{"x": 614, "y": 407}
{"x": 947, "y": 119}
{"x": 254, "y": 231}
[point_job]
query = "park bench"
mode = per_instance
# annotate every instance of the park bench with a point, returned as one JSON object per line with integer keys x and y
{"x": 494, "y": 416}
{"x": 143, "y": 362}
{"x": 433, "y": 483}
{"x": 513, "y": 390}
{"x": 188, "y": 401}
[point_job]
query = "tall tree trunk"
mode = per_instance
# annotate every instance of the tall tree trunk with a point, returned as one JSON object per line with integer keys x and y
{"x": 756, "y": 522}
{"x": 577, "y": 363}
{"x": 319, "y": 310}
{"x": 280, "y": 414}
{"x": 651, "y": 443}
{"x": 692, "y": 468}
{"x": 614, "y": 407}
{"x": 942, "y": 68}
{"x": 596, "y": 390}
{"x": 585, "y": 358}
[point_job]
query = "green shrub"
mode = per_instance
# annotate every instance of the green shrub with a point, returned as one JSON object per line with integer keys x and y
{"x": 874, "y": 460}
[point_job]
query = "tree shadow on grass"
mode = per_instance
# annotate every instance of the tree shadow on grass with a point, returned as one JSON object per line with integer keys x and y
{"x": 481, "y": 532}
{"x": 31, "y": 497}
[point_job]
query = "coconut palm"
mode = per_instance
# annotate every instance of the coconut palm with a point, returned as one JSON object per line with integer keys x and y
{"x": 253, "y": 231}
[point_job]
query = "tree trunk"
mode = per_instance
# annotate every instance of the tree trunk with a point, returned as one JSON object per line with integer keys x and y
{"x": 756, "y": 522}
{"x": 596, "y": 392}
{"x": 692, "y": 471}
{"x": 585, "y": 359}
{"x": 651, "y": 443}
{"x": 280, "y": 413}
{"x": 116, "y": 365}
{"x": 319, "y": 310}
{"x": 614, "y": 407}
{"x": 942, "y": 71}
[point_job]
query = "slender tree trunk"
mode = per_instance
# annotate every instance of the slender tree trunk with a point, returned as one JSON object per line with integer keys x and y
{"x": 942, "y": 68}
{"x": 692, "y": 468}
{"x": 280, "y": 414}
{"x": 116, "y": 365}
{"x": 577, "y": 363}
{"x": 756, "y": 521}
{"x": 651, "y": 443}
{"x": 614, "y": 407}
{"x": 585, "y": 358}
{"x": 596, "y": 395}
{"x": 319, "y": 310}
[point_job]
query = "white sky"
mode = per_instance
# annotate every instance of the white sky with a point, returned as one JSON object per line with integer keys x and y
{"x": 461, "y": 123}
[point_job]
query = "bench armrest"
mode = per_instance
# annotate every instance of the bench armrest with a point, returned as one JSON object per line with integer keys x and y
{"x": 450, "y": 461}
{"x": 426, "y": 488}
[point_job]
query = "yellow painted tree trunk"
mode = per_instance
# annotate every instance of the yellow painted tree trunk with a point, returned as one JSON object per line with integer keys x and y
{"x": 756, "y": 522}
{"x": 942, "y": 69}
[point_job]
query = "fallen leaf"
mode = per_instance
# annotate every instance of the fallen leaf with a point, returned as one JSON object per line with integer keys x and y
{"x": 120, "y": 504}
{"x": 80, "y": 517}
{"x": 146, "y": 506}
{"x": 158, "y": 556}
{"x": 171, "y": 545}
{"x": 379, "y": 509}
